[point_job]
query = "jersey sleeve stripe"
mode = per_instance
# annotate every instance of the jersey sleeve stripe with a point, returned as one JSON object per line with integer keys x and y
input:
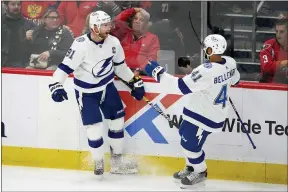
{"x": 65, "y": 68}
{"x": 202, "y": 119}
{"x": 85, "y": 85}
{"x": 116, "y": 64}
{"x": 183, "y": 87}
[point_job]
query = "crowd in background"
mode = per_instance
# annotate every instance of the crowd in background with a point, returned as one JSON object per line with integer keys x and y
{"x": 37, "y": 34}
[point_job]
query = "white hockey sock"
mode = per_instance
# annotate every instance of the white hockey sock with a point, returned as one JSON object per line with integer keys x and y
{"x": 196, "y": 160}
{"x": 96, "y": 152}
{"x": 95, "y": 140}
{"x": 116, "y": 135}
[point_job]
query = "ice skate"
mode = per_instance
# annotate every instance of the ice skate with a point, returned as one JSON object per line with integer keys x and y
{"x": 99, "y": 169}
{"x": 119, "y": 166}
{"x": 194, "y": 180}
{"x": 183, "y": 173}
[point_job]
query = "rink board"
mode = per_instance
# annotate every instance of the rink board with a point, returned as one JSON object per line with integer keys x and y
{"x": 41, "y": 133}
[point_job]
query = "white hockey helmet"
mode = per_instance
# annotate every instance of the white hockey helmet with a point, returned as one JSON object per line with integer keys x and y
{"x": 98, "y": 18}
{"x": 216, "y": 42}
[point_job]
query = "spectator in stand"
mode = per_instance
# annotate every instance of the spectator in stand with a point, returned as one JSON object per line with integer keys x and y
{"x": 274, "y": 55}
{"x": 133, "y": 4}
{"x": 48, "y": 42}
{"x": 110, "y": 7}
{"x": 73, "y": 14}
{"x": 167, "y": 17}
{"x": 13, "y": 30}
{"x": 139, "y": 45}
{"x": 33, "y": 10}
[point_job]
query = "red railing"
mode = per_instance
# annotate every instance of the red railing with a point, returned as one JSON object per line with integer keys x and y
{"x": 242, "y": 84}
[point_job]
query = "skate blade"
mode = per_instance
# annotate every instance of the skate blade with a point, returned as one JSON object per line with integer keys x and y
{"x": 123, "y": 172}
{"x": 100, "y": 177}
{"x": 194, "y": 186}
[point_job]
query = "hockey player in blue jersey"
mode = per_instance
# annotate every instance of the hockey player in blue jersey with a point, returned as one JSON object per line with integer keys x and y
{"x": 206, "y": 91}
{"x": 94, "y": 59}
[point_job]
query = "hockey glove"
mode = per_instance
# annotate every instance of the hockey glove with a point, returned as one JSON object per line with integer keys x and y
{"x": 137, "y": 86}
{"x": 58, "y": 92}
{"x": 153, "y": 69}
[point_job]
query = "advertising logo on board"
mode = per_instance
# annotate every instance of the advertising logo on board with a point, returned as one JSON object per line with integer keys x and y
{"x": 273, "y": 127}
{"x": 144, "y": 117}
{"x": 139, "y": 117}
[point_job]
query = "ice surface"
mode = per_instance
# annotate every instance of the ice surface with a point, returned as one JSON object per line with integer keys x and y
{"x": 39, "y": 179}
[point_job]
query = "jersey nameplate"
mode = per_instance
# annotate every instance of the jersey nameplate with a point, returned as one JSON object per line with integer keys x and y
{"x": 224, "y": 77}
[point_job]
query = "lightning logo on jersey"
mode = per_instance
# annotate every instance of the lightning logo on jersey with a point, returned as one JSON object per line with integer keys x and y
{"x": 104, "y": 70}
{"x": 199, "y": 135}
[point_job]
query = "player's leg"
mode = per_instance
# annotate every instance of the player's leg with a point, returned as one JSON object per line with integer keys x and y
{"x": 192, "y": 141}
{"x": 113, "y": 111}
{"x": 93, "y": 122}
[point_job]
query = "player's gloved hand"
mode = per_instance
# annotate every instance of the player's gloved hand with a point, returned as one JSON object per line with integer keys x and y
{"x": 58, "y": 92}
{"x": 137, "y": 86}
{"x": 153, "y": 69}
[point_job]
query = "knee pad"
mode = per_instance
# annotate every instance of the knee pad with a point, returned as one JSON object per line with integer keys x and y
{"x": 94, "y": 134}
{"x": 116, "y": 128}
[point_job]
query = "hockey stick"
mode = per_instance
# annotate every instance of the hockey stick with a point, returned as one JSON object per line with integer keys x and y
{"x": 153, "y": 106}
{"x": 230, "y": 100}
{"x": 243, "y": 127}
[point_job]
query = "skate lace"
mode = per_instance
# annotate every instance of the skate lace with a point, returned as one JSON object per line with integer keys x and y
{"x": 193, "y": 176}
{"x": 183, "y": 172}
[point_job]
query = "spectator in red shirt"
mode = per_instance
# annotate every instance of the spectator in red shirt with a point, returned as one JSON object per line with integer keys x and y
{"x": 33, "y": 10}
{"x": 73, "y": 14}
{"x": 274, "y": 55}
{"x": 139, "y": 45}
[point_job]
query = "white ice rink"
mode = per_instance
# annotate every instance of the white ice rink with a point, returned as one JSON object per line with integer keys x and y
{"x": 38, "y": 179}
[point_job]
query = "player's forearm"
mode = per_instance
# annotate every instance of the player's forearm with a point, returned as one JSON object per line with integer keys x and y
{"x": 168, "y": 80}
{"x": 124, "y": 72}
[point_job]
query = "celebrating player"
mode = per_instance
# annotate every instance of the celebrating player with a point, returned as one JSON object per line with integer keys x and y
{"x": 207, "y": 91}
{"x": 95, "y": 58}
